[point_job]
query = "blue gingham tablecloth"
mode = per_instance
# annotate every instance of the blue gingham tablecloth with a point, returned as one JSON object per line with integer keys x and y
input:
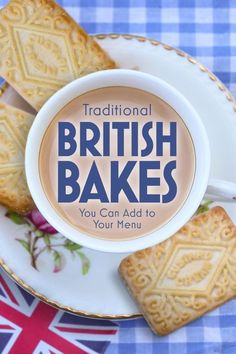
{"x": 206, "y": 29}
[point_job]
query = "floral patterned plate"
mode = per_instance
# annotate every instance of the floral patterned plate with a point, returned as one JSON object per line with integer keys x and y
{"x": 78, "y": 279}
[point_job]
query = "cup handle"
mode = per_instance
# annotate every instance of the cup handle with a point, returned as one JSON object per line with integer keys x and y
{"x": 221, "y": 191}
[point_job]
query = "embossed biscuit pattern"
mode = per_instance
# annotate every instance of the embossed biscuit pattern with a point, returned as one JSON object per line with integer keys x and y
{"x": 187, "y": 275}
{"x": 14, "y": 127}
{"x": 42, "y": 48}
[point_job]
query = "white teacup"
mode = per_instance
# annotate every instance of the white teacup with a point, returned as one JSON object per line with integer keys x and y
{"x": 161, "y": 147}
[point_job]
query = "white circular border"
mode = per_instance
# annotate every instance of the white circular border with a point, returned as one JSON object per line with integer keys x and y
{"x": 129, "y": 78}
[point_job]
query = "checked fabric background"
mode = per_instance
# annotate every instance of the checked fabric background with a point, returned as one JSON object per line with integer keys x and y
{"x": 206, "y": 29}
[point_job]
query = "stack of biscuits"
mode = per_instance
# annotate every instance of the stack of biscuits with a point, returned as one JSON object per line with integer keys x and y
{"x": 41, "y": 49}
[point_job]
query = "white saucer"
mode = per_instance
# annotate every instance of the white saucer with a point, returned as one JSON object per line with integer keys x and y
{"x": 100, "y": 292}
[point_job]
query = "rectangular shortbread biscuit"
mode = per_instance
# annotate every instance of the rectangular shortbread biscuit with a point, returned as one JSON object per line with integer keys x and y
{"x": 42, "y": 49}
{"x": 14, "y": 127}
{"x": 187, "y": 275}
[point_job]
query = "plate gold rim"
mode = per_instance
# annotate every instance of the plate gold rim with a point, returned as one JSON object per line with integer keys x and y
{"x": 220, "y": 86}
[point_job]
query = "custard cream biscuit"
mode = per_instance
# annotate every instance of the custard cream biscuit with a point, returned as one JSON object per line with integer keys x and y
{"x": 187, "y": 275}
{"x": 42, "y": 49}
{"x": 14, "y": 127}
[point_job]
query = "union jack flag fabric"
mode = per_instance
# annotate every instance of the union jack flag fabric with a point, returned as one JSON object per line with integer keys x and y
{"x": 29, "y": 326}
